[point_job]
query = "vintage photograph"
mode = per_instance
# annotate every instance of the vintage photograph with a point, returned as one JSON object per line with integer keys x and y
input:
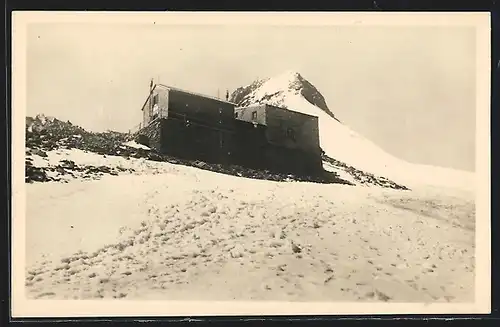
{"x": 230, "y": 160}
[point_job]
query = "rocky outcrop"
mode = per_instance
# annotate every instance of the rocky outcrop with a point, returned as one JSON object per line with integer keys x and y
{"x": 312, "y": 95}
{"x": 68, "y": 168}
{"x": 240, "y": 93}
{"x": 362, "y": 177}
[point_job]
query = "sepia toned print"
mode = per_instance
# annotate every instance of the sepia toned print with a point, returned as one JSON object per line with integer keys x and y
{"x": 300, "y": 169}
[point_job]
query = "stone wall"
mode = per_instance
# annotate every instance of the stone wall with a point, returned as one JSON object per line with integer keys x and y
{"x": 151, "y": 135}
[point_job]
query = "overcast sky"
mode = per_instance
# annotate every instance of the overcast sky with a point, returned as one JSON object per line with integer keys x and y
{"x": 411, "y": 90}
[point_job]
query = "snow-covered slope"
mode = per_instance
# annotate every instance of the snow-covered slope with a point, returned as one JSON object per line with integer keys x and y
{"x": 192, "y": 234}
{"x": 291, "y": 90}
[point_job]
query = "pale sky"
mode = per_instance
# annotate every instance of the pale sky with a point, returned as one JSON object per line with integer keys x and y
{"x": 411, "y": 90}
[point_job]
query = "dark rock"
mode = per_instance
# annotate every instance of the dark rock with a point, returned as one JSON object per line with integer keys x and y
{"x": 296, "y": 248}
{"x": 35, "y": 174}
{"x": 68, "y": 164}
{"x": 40, "y": 153}
{"x": 363, "y": 177}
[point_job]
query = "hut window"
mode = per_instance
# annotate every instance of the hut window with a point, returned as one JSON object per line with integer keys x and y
{"x": 235, "y": 115}
{"x": 290, "y": 133}
{"x": 155, "y": 99}
{"x": 254, "y": 115}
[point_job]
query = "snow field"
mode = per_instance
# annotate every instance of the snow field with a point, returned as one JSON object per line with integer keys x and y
{"x": 186, "y": 235}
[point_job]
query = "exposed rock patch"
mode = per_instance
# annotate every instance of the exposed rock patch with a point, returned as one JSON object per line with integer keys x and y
{"x": 362, "y": 177}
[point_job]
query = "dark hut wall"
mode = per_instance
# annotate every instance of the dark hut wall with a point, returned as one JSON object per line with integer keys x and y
{"x": 282, "y": 159}
{"x": 195, "y": 141}
{"x": 292, "y": 130}
{"x": 249, "y": 143}
{"x": 198, "y": 127}
{"x": 209, "y": 111}
{"x": 251, "y": 148}
{"x": 189, "y": 141}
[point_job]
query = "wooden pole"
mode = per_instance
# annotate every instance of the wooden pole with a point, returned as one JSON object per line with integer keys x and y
{"x": 151, "y": 100}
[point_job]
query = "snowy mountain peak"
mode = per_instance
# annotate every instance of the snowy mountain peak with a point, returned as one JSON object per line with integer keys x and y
{"x": 292, "y": 91}
{"x": 275, "y": 90}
